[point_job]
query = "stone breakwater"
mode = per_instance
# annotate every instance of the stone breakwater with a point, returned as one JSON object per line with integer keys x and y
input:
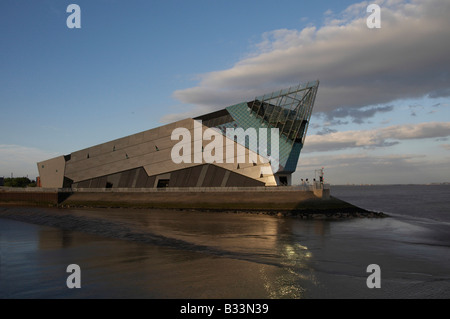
{"x": 326, "y": 215}
{"x": 330, "y": 214}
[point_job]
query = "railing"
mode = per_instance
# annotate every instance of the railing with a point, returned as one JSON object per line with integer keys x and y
{"x": 306, "y": 187}
{"x": 29, "y": 189}
{"x": 319, "y": 185}
{"x": 191, "y": 189}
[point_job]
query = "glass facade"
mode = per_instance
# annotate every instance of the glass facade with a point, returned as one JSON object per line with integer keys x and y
{"x": 289, "y": 110}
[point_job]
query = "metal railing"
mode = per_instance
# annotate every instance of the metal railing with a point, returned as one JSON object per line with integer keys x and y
{"x": 306, "y": 187}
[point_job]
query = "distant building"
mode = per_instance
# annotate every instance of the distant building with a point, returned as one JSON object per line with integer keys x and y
{"x": 152, "y": 159}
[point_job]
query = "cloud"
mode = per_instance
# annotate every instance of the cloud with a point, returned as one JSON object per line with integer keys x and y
{"x": 170, "y": 118}
{"x": 381, "y": 137}
{"x": 442, "y": 92}
{"x": 326, "y": 130}
{"x": 357, "y": 115}
{"x": 446, "y": 146}
{"x": 360, "y": 159}
{"x": 409, "y": 57}
{"x": 21, "y": 160}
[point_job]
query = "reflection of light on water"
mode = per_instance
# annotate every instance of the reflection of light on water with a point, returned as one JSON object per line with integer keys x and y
{"x": 289, "y": 251}
{"x": 281, "y": 287}
{"x": 295, "y": 275}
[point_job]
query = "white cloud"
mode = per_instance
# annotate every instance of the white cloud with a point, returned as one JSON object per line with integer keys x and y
{"x": 386, "y": 136}
{"x": 21, "y": 160}
{"x": 357, "y": 115}
{"x": 170, "y": 118}
{"x": 407, "y": 58}
{"x": 360, "y": 159}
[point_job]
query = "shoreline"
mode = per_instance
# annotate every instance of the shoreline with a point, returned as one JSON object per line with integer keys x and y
{"x": 280, "y": 203}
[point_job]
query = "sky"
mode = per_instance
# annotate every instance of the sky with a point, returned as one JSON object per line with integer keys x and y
{"x": 382, "y": 112}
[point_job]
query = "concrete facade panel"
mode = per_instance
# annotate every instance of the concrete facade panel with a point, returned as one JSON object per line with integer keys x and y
{"x": 51, "y": 172}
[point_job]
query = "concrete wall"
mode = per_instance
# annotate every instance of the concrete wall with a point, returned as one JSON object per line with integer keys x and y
{"x": 218, "y": 199}
{"x": 25, "y": 196}
{"x": 151, "y": 150}
{"x": 205, "y": 175}
{"x": 51, "y": 172}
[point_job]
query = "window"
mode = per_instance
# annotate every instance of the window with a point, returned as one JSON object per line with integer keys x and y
{"x": 163, "y": 183}
{"x": 283, "y": 180}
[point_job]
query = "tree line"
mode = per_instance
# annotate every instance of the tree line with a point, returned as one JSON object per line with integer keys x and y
{"x": 18, "y": 182}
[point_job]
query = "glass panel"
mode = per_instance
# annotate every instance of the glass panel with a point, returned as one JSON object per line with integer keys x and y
{"x": 296, "y": 125}
{"x": 283, "y": 116}
{"x": 287, "y": 109}
{"x": 292, "y": 115}
{"x": 287, "y": 126}
{"x": 274, "y": 116}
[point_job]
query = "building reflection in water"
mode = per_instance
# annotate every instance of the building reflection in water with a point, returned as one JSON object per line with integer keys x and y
{"x": 281, "y": 248}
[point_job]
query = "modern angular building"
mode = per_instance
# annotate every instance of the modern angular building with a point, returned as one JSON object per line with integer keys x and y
{"x": 206, "y": 151}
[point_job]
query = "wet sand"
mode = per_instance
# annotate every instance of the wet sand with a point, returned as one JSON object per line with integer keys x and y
{"x": 129, "y": 253}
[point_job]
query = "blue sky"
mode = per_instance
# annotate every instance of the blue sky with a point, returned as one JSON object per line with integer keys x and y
{"x": 381, "y": 116}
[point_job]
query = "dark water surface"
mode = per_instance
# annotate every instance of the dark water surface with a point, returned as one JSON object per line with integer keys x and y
{"x": 139, "y": 253}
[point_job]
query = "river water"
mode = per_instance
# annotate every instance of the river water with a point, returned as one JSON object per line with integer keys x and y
{"x": 141, "y": 253}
